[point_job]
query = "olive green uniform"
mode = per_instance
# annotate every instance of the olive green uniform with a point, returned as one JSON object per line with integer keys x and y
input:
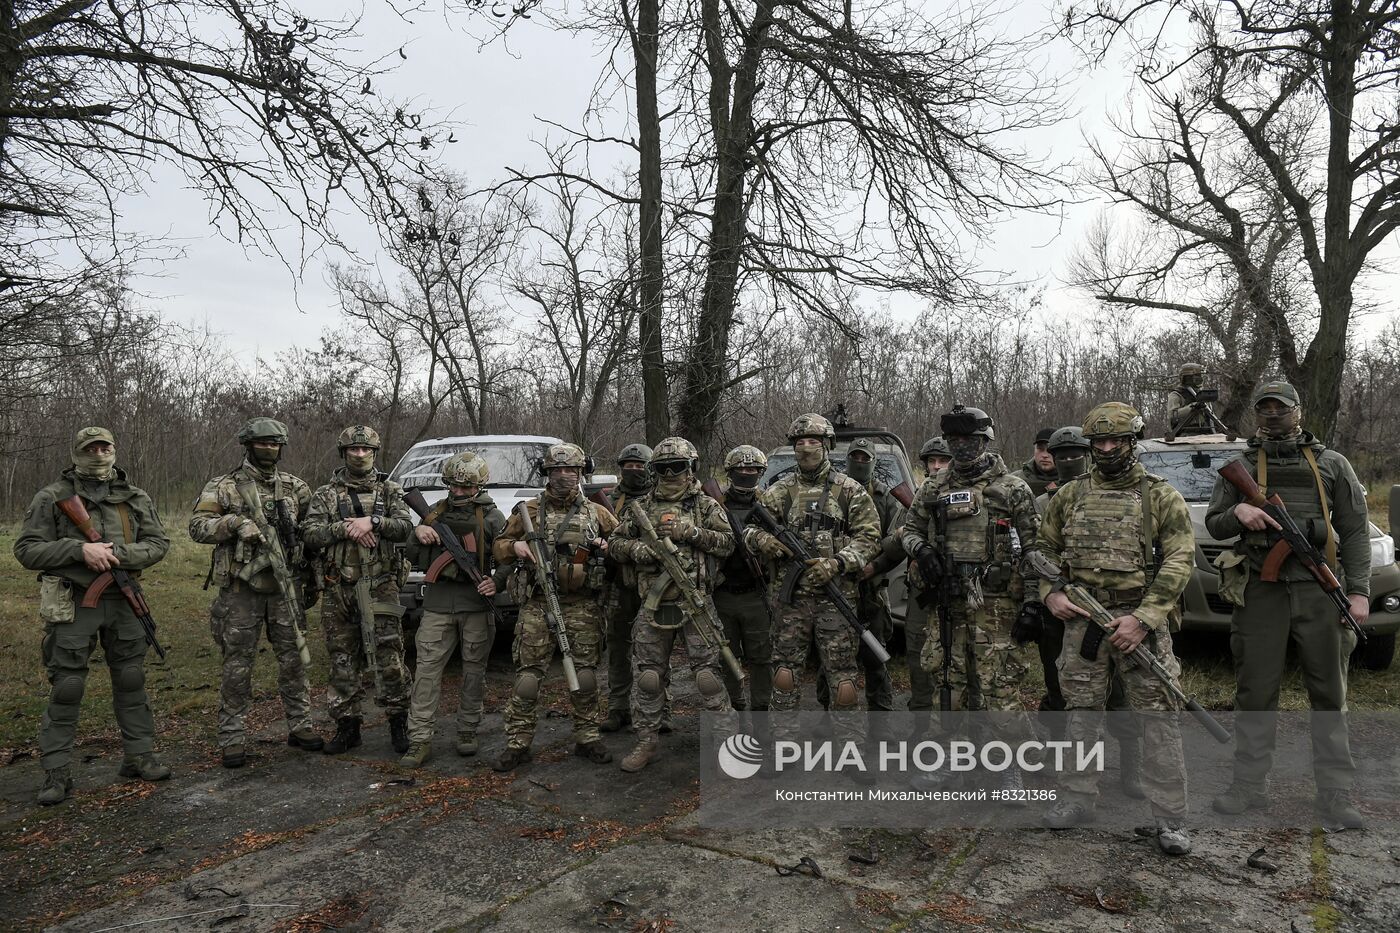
{"x": 344, "y": 563}
{"x": 1040, "y": 481}
{"x": 1293, "y": 609}
{"x": 741, "y": 598}
{"x": 567, "y": 526}
{"x": 455, "y": 617}
{"x": 662, "y": 616}
{"x": 52, "y": 545}
{"x": 249, "y": 599}
{"x": 1095, "y": 528}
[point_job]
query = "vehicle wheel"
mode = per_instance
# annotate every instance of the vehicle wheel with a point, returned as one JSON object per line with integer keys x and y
{"x": 1377, "y": 653}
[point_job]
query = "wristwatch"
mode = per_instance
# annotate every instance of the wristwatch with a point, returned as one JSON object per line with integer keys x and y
{"x": 374, "y": 521}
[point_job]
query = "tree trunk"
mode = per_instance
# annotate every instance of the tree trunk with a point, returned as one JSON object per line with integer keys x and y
{"x": 651, "y": 286}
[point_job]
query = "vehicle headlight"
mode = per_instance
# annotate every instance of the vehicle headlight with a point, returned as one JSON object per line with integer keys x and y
{"x": 1382, "y": 551}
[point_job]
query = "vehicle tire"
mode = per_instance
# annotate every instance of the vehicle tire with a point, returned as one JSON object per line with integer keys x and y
{"x": 1377, "y": 653}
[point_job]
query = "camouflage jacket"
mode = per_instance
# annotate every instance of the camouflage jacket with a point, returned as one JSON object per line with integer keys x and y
{"x": 1036, "y": 478}
{"x": 221, "y": 498}
{"x": 700, "y": 557}
{"x": 568, "y": 527}
{"x": 1184, "y": 417}
{"x": 452, "y": 591}
{"x": 344, "y": 497}
{"x": 1288, "y": 473}
{"x": 831, "y": 513}
{"x": 1093, "y": 528}
{"x": 991, "y": 524}
{"x": 121, "y": 513}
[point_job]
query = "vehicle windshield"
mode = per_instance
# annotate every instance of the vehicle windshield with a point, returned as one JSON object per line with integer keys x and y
{"x": 887, "y": 465}
{"x": 1192, "y": 472}
{"x": 511, "y": 465}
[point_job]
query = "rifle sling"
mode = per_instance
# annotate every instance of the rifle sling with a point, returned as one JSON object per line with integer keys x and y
{"x": 1308, "y": 455}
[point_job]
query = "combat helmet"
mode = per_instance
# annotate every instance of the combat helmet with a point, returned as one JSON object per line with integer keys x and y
{"x": 465, "y": 469}
{"x": 745, "y": 455}
{"x": 635, "y": 453}
{"x": 1113, "y": 419}
{"x": 672, "y": 449}
{"x": 935, "y": 447}
{"x": 262, "y": 429}
{"x": 357, "y": 435}
{"x": 566, "y": 455}
{"x": 967, "y": 422}
{"x": 811, "y": 425}
{"x": 1066, "y": 437}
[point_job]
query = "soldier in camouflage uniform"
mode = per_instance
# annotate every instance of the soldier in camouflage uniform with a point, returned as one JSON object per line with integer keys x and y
{"x": 934, "y": 456}
{"x": 569, "y": 526}
{"x": 68, "y": 564}
{"x": 456, "y": 612}
{"x": 251, "y": 598}
{"x": 741, "y": 596}
{"x": 837, "y": 520}
{"x": 986, "y": 519}
{"x": 1039, "y": 471}
{"x": 873, "y": 589}
{"x": 678, "y": 510}
{"x": 621, "y": 602}
{"x": 352, "y": 524}
{"x": 1321, "y": 493}
{"x": 1184, "y": 415}
{"x": 1126, "y": 535}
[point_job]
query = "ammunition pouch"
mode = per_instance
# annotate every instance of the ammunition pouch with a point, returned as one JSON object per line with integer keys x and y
{"x": 56, "y": 603}
{"x": 1233, "y": 569}
{"x": 258, "y": 576}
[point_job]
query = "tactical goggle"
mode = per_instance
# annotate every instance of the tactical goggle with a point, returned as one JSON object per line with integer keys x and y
{"x": 670, "y": 467}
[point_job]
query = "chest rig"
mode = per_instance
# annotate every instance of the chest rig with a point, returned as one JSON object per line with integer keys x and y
{"x": 1292, "y": 472}
{"x": 568, "y": 536}
{"x": 351, "y": 560}
{"x": 1109, "y": 539}
{"x": 977, "y": 535}
{"x": 819, "y": 519}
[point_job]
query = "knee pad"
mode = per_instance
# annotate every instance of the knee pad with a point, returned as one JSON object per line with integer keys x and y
{"x": 129, "y": 679}
{"x": 708, "y": 684}
{"x": 784, "y": 679}
{"x": 67, "y": 690}
{"x": 587, "y": 680}
{"x": 527, "y": 686}
{"x": 845, "y": 696}
{"x": 650, "y": 682}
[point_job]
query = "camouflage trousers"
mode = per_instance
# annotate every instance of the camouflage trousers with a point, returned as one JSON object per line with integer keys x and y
{"x": 533, "y": 650}
{"x": 749, "y": 629}
{"x": 344, "y": 644}
{"x": 813, "y": 619}
{"x": 67, "y": 648}
{"x": 1086, "y": 685}
{"x": 651, "y": 664}
{"x": 987, "y": 668}
{"x": 440, "y": 634}
{"x": 917, "y": 624}
{"x": 621, "y": 609}
{"x": 237, "y": 618}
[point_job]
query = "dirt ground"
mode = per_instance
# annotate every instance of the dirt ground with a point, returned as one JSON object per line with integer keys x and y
{"x": 303, "y": 842}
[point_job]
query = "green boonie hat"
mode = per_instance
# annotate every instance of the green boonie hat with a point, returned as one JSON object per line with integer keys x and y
{"x": 88, "y": 436}
{"x": 256, "y": 429}
{"x": 1280, "y": 390}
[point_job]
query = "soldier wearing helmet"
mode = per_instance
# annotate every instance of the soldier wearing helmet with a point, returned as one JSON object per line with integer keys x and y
{"x": 935, "y": 455}
{"x": 1039, "y": 470}
{"x": 678, "y": 510}
{"x": 573, "y": 532}
{"x": 739, "y": 594}
{"x": 1186, "y": 413}
{"x": 456, "y": 612}
{"x": 838, "y": 520}
{"x": 1320, "y": 491}
{"x": 1126, "y": 534}
{"x": 621, "y": 602}
{"x": 353, "y": 523}
{"x": 67, "y": 565}
{"x": 228, "y": 515}
{"x": 968, "y": 529}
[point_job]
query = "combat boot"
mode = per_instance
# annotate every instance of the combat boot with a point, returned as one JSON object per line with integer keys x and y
{"x": 641, "y": 756}
{"x": 418, "y": 754}
{"x": 57, "y": 784}
{"x": 466, "y": 744}
{"x": 512, "y": 758}
{"x": 1336, "y": 810}
{"x": 1068, "y": 813}
{"x": 594, "y": 751}
{"x": 616, "y": 721}
{"x": 1013, "y": 787}
{"x": 1130, "y": 769}
{"x": 305, "y": 739}
{"x": 398, "y": 732}
{"x": 145, "y": 766}
{"x": 1172, "y": 840}
{"x": 1240, "y": 797}
{"x": 235, "y": 756}
{"x": 347, "y": 736}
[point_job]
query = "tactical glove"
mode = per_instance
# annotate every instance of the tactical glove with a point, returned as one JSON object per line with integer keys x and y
{"x": 643, "y": 554}
{"x": 1029, "y": 623}
{"x": 769, "y": 547}
{"x": 680, "y": 529}
{"x": 821, "y": 570}
{"x": 930, "y": 566}
{"x": 248, "y": 531}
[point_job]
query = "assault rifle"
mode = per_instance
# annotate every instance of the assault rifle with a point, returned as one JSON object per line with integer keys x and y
{"x": 698, "y": 605}
{"x": 800, "y": 555}
{"x": 711, "y": 488}
{"x": 1291, "y": 540}
{"x": 544, "y": 578}
{"x": 276, "y": 549}
{"x": 1141, "y": 656}
{"x": 131, "y": 590}
{"x": 946, "y": 582}
{"x": 462, "y": 552}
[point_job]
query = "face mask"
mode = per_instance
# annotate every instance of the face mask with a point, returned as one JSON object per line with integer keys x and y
{"x": 967, "y": 450}
{"x": 1115, "y": 461}
{"x": 860, "y": 470}
{"x": 263, "y": 457}
{"x": 561, "y": 484}
{"x": 361, "y": 464}
{"x": 634, "y": 479}
{"x": 1282, "y": 425}
{"x": 809, "y": 458}
{"x": 89, "y": 464}
{"x": 1070, "y": 467}
{"x": 669, "y": 487}
{"x": 745, "y": 481}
